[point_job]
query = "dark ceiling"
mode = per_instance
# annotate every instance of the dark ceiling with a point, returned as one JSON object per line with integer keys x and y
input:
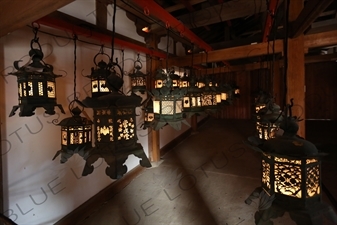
{"x": 230, "y": 23}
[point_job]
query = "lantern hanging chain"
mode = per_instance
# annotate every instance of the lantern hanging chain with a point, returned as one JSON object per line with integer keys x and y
{"x": 192, "y": 59}
{"x": 167, "y": 49}
{"x": 113, "y": 32}
{"x": 75, "y": 58}
{"x": 35, "y": 39}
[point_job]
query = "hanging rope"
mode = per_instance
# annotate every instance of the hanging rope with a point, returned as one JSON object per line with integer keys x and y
{"x": 113, "y": 31}
{"x": 75, "y": 59}
{"x": 167, "y": 48}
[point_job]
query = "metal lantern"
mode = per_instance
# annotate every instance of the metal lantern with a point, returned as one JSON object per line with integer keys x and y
{"x": 167, "y": 105}
{"x": 76, "y": 133}
{"x": 114, "y": 129}
{"x": 267, "y": 116}
{"x": 115, "y": 132}
{"x": 99, "y": 76}
{"x": 184, "y": 81}
{"x": 36, "y": 84}
{"x": 175, "y": 78}
{"x": 192, "y": 103}
{"x": 160, "y": 79}
{"x": 268, "y": 121}
{"x": 138, "y": 78}
{"x": 291, "y": 179}
{"x": 209, "y": 97}
{"x": 148, "y": 114}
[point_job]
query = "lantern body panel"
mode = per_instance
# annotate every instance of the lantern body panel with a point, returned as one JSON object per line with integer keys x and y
{"x": 296, "y": 182}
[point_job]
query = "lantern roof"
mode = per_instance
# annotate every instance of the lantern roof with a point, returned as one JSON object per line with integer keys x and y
{"x": 75, "y": 120}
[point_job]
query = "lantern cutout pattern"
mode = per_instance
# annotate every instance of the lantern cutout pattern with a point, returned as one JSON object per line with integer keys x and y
{"x": 100, "y": 75}
{"x": 114, "y": 129}
{"x": 138, "y": 78}
{"x": 192, "y": 101}
{"x": 76, "y": 134}
{"x": 36, "y": 83}
{"x": 167, "y": 103}
{"x": 291, "y": 178}
{"x": 209, "y": 97}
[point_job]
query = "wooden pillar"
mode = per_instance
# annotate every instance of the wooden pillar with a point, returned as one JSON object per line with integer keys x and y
{"x": 101, "y": 14}
{"x": 295, "y": 72}
{"x": 152, "y": 65}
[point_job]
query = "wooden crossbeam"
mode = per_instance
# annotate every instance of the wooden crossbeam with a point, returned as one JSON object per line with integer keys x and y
{"x": 307, "y": 16}
{"x": 246, "y": 51}
{"x": 17, "y": 14}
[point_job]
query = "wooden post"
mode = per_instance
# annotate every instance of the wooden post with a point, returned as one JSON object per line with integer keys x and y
{"x": 152, "y": 65}
{"x": 295, "y": 72}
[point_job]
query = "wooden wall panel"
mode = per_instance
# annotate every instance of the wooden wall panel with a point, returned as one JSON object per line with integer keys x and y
{"x": 321, "y": 90}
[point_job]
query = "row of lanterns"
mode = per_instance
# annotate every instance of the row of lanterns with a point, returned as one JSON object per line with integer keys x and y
{"x": 174, "y": 97}
{"x": 172, "y": 100}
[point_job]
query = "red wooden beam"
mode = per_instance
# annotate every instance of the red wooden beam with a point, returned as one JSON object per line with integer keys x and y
{"x": 270, "y": 19}
{"x": 80, "y": 31}
{"x": 150, "y": 7}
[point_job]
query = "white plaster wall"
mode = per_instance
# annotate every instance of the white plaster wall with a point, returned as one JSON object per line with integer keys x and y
{"x": 37, "y": 189}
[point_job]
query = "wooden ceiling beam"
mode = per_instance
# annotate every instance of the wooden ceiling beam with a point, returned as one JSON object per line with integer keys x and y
{"x": 182, "y": 6}
{"x": 17, "y": 14}
{"x": 101, "y": 14}
{"x": 308, "y": 15}
{"x": 247, "y": 51}
{"x": 222, "y": 12}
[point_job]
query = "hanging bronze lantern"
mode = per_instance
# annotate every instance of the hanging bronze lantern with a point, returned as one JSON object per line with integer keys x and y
{"x": 167, "y": 105}
{"x": 36, "y": 83}
{"x": 291, "y": 178}
{"x": 75, "y": 130}
{"x": 114, "y": 129}
{"x": 148, "y": 114}
{"x": 99, "y": 76}
{"x": 267, "y": 116}
{"x": 75, "y": 135}
{"x": 138, "y": 78}
{"x": 209, "y": 97}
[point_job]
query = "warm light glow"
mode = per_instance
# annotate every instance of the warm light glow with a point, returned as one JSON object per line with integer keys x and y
{"x": 146, "y": 29}
{"x": 224, "y": 96}
{"x": 266, "y": 130}
{"x": 30, "y": 88}
{"x": 156, "y": 106}
{"x": 158, "y": 84}
{"x": 51, "y": 89}
{"x": 40, "y": 88}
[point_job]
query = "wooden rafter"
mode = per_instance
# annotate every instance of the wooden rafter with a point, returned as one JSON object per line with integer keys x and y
{"x": 307, "y": 16}
{"x": 17, "y": 14}
{"x": 246, "y": 51}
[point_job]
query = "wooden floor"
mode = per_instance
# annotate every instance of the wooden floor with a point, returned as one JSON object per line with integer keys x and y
{"x": 204, "y": 180}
